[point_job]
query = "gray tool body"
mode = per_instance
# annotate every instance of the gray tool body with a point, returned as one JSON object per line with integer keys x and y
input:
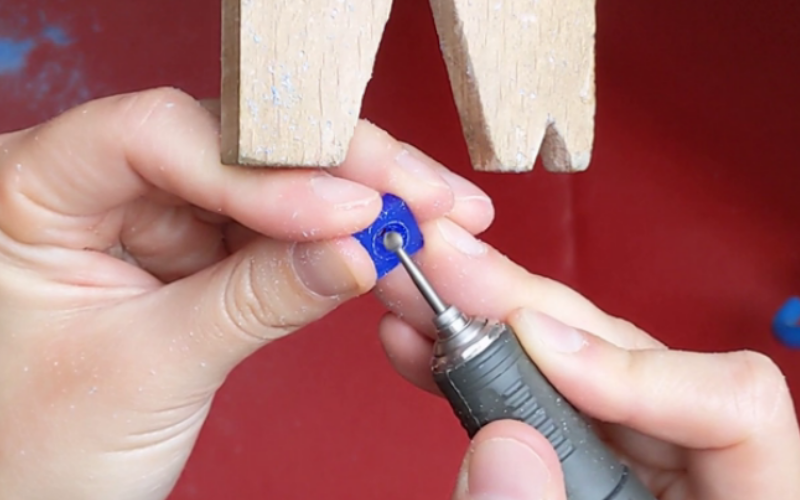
{"x": 486, "y": 375}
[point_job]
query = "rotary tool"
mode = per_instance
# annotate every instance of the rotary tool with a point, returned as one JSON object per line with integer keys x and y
{"x": 486, "y": 375}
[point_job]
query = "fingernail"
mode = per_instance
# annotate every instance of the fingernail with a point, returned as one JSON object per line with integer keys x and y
{"x": 552, "y": 333}
{"x": 342, "y": 193}
{"x": 464, "y": 190}
{"x": 419, "y": 169}
{"x": 506, "y": 469}
{"x": 323, "y": 269}
{"x": 460, "y": 238}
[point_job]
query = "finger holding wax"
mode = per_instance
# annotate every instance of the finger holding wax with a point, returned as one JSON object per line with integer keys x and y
{"x": 156, "y": 269}
{"x": 480, "y": 280}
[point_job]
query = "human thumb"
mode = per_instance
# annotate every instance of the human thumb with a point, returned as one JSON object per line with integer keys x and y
{"x": 201, "y": 327}
{"x": 509, "y": 460}
{"x": 733, "y": 407}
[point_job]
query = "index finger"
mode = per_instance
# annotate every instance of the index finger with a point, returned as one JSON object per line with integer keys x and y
{"x": 479, "y": 280}
{"x": 108, "y": 152}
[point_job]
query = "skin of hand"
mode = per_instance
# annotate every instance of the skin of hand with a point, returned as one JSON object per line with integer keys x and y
{"x": 136, "y": 271}
{"x": 693, "y": 426}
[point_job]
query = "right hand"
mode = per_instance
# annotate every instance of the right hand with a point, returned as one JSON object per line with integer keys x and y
{"x": 693, "y": 426}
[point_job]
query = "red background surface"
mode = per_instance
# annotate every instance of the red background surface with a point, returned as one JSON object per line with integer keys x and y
{"x": 687, "y": 222}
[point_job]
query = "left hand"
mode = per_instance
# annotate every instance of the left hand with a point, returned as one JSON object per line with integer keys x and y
{"x": 136, "y": 271}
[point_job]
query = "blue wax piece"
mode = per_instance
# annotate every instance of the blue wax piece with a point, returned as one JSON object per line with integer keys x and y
{"x": 395, "y": 216}
{"x": 785, "y": 323}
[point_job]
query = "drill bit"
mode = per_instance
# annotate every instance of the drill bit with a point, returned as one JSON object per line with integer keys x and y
{"x": 393, "y": 241}
{"x": 448, "y": 319}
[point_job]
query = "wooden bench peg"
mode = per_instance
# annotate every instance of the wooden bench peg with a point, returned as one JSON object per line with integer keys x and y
{"x": 522, "y": 73}
{"x": 294, "y": 73}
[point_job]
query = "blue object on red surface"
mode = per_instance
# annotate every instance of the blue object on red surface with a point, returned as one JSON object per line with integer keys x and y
{"x": 395, "y": 216}
{"x": 786, "y": 323}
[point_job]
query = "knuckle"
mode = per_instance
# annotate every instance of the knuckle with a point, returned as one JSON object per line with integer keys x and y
{"x": 142, "y": 108}
{"x": 760, "y": 389}
{"x": 243, "y": 309}
{"x": 145, "y": 100}
{"x": 632, "y": 336}
{"x": 14, "y": 202}
{"x": 253, "y": 306}
{"x": 9, "y": 187}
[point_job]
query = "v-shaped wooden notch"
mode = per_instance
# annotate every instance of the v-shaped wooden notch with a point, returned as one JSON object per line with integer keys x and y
{"x": 294, "y": 73}
{"x": 522, "y": 74}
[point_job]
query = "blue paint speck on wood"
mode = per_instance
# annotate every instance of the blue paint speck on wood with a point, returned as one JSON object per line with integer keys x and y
{"x": 13, "y": 54}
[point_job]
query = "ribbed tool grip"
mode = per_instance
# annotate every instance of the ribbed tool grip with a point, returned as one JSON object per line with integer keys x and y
{"x": 501, "y": 382}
